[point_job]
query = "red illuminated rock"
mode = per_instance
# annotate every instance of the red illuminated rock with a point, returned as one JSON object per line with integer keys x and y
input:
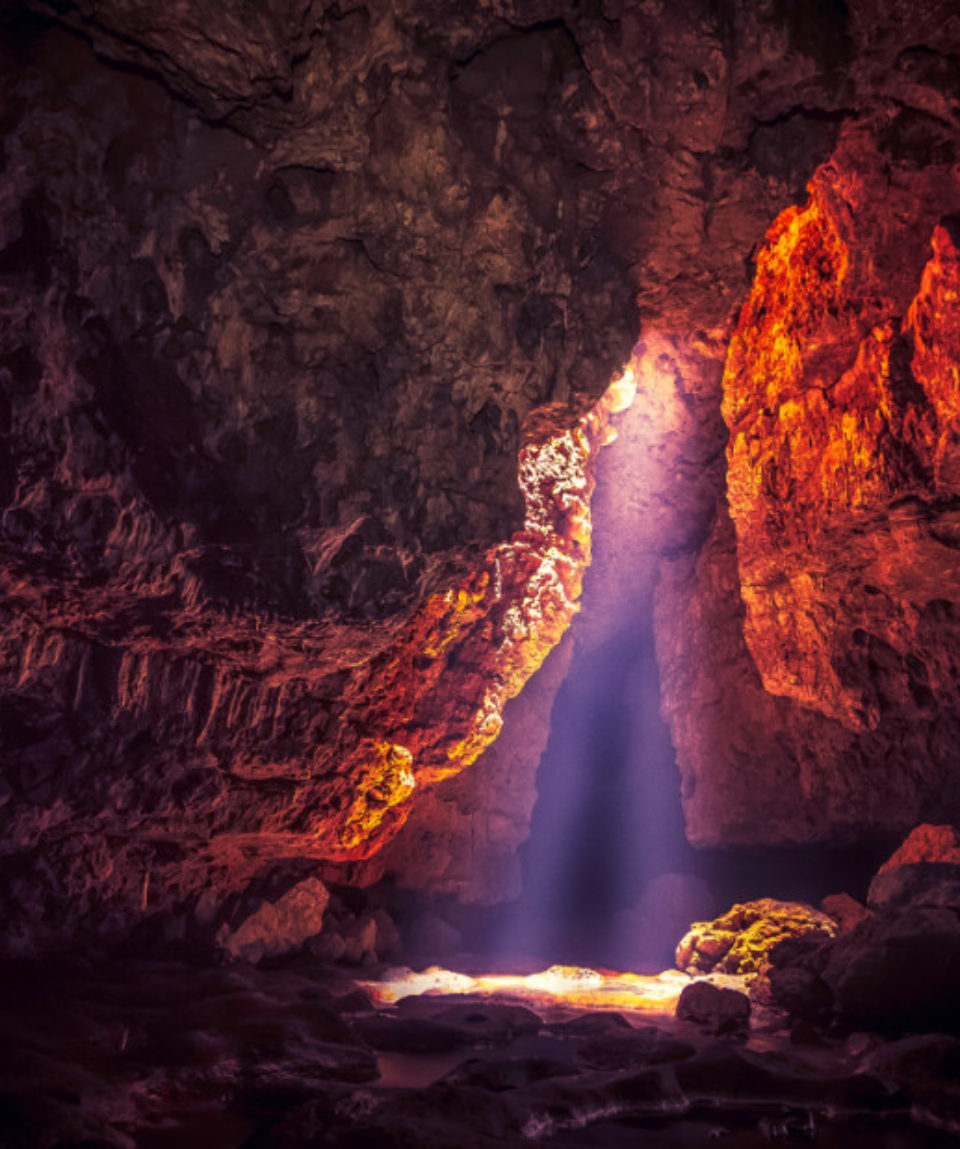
{"x": 926, "y": 844}
{"x": 809, "y": 654}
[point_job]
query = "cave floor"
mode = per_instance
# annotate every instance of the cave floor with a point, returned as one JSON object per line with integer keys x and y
{"x": 104, "y": 1051}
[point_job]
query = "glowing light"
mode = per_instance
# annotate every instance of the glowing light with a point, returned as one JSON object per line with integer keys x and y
{"x": 622, "y": 391}
{"x": 553, "y": 988}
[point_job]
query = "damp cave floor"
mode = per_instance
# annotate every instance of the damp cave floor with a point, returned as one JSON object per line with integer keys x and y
{"x": 127, "y": 1052}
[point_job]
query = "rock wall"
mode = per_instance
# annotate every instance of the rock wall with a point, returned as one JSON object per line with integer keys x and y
{"x": 810, "y": 672}
{"x": 308, "y": 309}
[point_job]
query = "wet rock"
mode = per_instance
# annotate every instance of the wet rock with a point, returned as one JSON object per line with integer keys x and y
{"x": 740, "y": 941}
{"x": 410, "y": 1035}
{"x": 717, "y": 1010}
{"x": 598, "y": 1024}
{"x": 644, "y": 1046}
{"x": 499, "y": 1074}
{"x": 481, "y": 1022}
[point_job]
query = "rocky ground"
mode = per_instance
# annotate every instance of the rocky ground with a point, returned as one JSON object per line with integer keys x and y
{"x": 133, "y": 1052}
{"x": 847, "y": 1036}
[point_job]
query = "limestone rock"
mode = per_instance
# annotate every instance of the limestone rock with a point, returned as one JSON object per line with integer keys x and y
{"x": 280, "y": 926}
{"x": 741, "y": 940}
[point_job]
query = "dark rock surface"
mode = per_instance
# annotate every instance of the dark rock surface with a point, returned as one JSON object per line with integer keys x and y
{"x": 716, "y": 1009}
{"x": 122, "y": 1051}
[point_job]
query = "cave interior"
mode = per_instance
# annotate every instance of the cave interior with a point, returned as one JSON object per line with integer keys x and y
{"x": 479, "y": 583}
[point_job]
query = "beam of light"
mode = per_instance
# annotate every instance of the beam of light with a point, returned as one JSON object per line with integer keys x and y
{"x": 555, "y": 988}
{"x": 608, "y": 821}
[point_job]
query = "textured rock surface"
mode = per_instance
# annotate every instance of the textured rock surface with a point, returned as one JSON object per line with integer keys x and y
{"x": 718, "y": 1010}
{"x": 282, "y": 305}
{"x": 277, "y": 302}
{"x": 937, "y": 844}
{"x": 740, "y": 941}
{"x": 263, "y": 392}
{"x": 808, "y": 652}
{"x": 279, "y": 926}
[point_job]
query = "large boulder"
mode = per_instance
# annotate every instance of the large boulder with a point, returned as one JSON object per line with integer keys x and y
{"x": 740, "y": 941}
{"x": 279, "y": 926}
{"x": 718, "y": 1010}
{"x": 899, "y": 970}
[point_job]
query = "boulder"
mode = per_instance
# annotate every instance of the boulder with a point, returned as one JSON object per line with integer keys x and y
{"x": 740, "y": 941}
{"x": 846, "y": 911}
{"x": 926, "y": 843}
{"x": 899, "y": 971}
{"x": 280, "y": 926}
{"x": 916, "y": 884}
{"x": 718, "y": 1010}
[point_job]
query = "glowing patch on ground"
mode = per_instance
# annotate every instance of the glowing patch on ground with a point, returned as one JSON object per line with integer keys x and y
{"x": 557, "y": 987}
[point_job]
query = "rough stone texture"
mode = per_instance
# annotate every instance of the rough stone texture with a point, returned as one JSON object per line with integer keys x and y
{"x": 279, "y": 294}
{"x": 235, "y": 567}
{"x": 287, "y": 289}
{"x": 899, "y": 970}
{"x": 808, "y": 652}
{"x": 926, "y": 844}
{"x": 280, "y": 926}
{"x": 846, "y": 911}
{"x": 740, "y": 941}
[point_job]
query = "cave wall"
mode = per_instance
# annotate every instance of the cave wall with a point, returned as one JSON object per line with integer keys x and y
{"x": 308, "y": 313}
{"x": 809, "y": 649}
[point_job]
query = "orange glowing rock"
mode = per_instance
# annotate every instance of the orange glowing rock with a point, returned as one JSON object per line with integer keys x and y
{"x": 842, "y": 399}
{"x": 940, "y": 844}
{"x": 435, "y": 697}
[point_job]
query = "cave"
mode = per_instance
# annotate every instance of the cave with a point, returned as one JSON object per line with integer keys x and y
{"x": 479, "y": 518}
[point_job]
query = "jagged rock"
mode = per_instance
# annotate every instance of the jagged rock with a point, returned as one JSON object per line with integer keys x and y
{"x": 809, "y": 658}
{"x": 925, "y": 870}
{"x": 741, "y": 940}
{"x": 279, "y": 926}
{"x": 719, "y": 1010}
{"x": 919, "y": 883}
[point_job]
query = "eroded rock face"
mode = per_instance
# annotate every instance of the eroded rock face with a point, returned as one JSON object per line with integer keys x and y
{"x": 280, "y": 301}
{"x": 808, "y": 653}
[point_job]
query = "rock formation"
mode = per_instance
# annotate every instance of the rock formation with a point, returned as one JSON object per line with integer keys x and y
{"x": 310, "y": 314}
